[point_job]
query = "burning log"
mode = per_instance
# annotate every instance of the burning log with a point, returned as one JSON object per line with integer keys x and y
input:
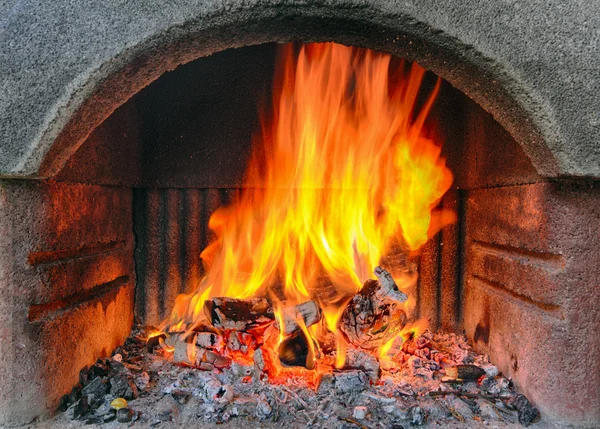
{"x": 240, "y": 341}
{"x": 238, "y": 314}
{"x": 373, "y": 316}
{"x": 154, "y": 342}
{"x": 388, "y": 289}
{"x": 208, "y": 340}
{"x": 309, "y": 311}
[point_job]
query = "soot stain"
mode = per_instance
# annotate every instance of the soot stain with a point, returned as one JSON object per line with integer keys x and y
{"x": 482, "y": 330}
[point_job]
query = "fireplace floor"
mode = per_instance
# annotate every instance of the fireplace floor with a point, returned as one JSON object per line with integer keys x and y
{"x": 412, "y": 390}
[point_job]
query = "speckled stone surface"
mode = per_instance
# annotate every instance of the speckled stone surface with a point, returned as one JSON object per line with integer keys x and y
{"x": 66, "y": 66}
{"x": 67, "y": 285}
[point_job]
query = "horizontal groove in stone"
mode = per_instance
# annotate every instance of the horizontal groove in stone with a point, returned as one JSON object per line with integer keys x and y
{"x": 553, "y": 261}
{"x": 38, "y": 312}
{"x": 549, "y": 308}
{"x": 61, "y": 255}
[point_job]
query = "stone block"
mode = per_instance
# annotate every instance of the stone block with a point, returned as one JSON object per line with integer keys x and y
{"x": 66, "y": 288}
{"x": 531, "y": 292}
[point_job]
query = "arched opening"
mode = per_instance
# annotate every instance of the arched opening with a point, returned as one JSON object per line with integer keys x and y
{"x": 171, "y": 146}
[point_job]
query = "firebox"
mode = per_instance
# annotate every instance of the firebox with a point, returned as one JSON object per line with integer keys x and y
{"x": 124, "y": 130}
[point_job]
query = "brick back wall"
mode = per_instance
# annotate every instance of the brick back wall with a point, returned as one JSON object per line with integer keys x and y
{"x": 67, "y": 285}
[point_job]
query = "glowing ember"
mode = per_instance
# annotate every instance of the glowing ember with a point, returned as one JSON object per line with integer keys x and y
{"x": 341, "y": 171}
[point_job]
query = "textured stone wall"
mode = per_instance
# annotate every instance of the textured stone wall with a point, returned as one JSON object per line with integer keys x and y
{"x": 519, "y": 271}
{"x": 533, "y": 65}
{"x": 532, "y": 292}
{"x": 67, "y": 284}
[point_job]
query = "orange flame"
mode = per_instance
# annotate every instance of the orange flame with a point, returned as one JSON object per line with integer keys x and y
{"x": 341, "y": 170}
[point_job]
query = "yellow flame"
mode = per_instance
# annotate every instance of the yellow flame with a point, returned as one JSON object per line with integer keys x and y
{"x": 343, "y": 167}
{"x": 384, "y": 350}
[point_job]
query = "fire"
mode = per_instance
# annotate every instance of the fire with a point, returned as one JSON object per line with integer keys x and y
{"x": 342, "y": 169}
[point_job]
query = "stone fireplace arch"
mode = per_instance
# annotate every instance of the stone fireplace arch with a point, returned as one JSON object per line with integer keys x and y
{"x": 76, "y": 65}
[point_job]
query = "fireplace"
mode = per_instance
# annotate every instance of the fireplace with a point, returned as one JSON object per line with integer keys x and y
{"x": 116, "y": 152}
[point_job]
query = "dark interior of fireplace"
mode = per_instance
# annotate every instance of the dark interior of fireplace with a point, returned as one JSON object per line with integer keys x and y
{"x": 129, "y": 214}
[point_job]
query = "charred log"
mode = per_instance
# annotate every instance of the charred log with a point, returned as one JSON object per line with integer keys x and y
{"x": 208, "y": 340}
{"x": 308, "y": 311}
{"x": 374, "y": 315}
{"x": 239, "y": 314}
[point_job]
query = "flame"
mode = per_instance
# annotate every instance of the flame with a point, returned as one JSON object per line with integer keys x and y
{"x": 342, "y": 169}
{"x": 411, "y": 330}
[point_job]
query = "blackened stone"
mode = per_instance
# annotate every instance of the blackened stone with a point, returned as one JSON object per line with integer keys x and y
{"x": 117, "y": 367}
{"x": 94, "y": 420}
{"x": 96, "y": 387}
{"x": 100, "y": 369}
{"x": 64, "y": 404}
{"x": 81, "y": 408}
{"x": 110, "y": 416}
{"x": 124, "y": 415}
{"x": 84, "y": 375}
{"x": 528, "y": 414}
{"x": 122, "y": 386}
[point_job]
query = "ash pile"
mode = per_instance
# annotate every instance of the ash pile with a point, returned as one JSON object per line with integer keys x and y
{"x": 248, "y": 365}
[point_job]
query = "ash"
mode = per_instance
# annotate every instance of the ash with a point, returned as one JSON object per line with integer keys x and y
{"x": 436, "y": 380}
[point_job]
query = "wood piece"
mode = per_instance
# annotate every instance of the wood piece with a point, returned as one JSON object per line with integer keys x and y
{"x": 97, "y": 387}
{"x": 465, "y": 372}
{"x": 205, "y": 356}
{"x": 208, "y": 340}
{"x": 182, "y": 353}
{"x": 154, "y": 342}
{"x": 374, "y": 315}
{"x": 122, "y": 386}
{"x": 388, "y": 290}
{"x": 239, "y": 314}
{"x": 309, "y": 311}
{"x": 240, "y": 341}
